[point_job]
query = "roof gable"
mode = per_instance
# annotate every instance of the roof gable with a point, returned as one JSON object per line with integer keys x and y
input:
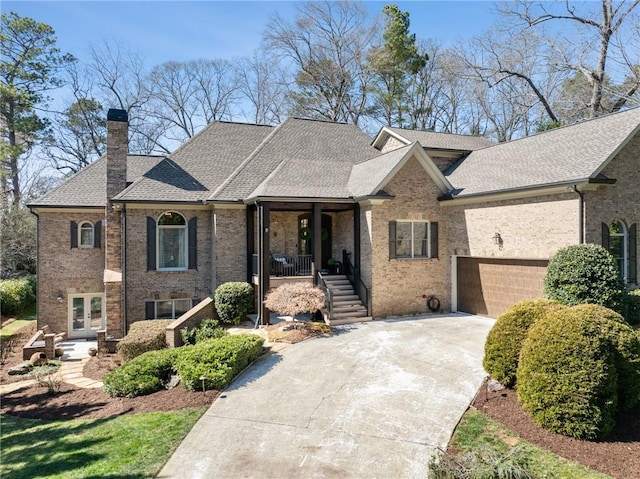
{"x": 431, "y": 140}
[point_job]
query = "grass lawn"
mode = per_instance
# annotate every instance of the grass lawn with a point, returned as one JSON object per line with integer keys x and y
{"x": 132, "y": 446}
{"x": 476, "y": 430}
{"x": 27, "y": 316}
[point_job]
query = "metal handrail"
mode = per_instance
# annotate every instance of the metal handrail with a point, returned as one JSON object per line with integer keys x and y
{"x": 323, "y": 286}
{"x": 353, "y": 275}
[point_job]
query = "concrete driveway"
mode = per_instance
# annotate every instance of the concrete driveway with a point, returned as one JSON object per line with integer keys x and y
{"x": 373, "y": 401}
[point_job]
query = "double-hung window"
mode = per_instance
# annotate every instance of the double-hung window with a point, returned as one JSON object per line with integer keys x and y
{"x": 172, "y": 242}
{"x": 413, "y": 239}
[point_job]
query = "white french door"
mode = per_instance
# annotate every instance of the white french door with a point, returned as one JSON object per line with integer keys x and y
{"x": 86, "y": 315}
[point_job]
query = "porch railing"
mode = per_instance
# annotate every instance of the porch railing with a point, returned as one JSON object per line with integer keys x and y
{"x": 329, "y": 302}
{"x": 285, "y": 265}
{"x": 353, "y": 275}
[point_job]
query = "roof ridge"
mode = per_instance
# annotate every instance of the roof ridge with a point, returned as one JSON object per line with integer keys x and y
{"x": 466, "y": 135}
{"x": 320, "y": 120}
{"x": 246, "y": 161}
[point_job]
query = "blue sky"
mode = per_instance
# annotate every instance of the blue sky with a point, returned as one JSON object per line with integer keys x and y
{"x": 170, "y": 30}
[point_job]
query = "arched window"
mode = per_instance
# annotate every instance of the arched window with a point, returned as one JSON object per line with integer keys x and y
{"x": 618, "y": 246}
{"x": 85, "y": 235}
{"x": 172, "y": 241}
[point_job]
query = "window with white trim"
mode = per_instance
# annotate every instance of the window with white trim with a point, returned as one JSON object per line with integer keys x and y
{"x": 173, "y": 245}
{"x": 411, "y": 239}
{"x": 171, "y": 308}
{"x": 86, "y": 235}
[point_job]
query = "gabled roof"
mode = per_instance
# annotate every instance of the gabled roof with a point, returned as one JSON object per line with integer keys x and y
{"x": 434, "y": 141}
{"x": 295, "y": 148}
{"x": 200, "y": 165}
{"x": 571, "y": 153}
{"x": 371, "y": 176}
{"x": 88, "y": 187}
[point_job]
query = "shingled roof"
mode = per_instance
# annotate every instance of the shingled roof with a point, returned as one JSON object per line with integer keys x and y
{"x": 88, "y": 187}
{"x": 562, "y": 155}
{"x": 442, "y": 141}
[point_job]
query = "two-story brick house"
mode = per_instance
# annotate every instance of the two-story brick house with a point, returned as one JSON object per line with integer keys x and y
{"x": 419, "y": 221}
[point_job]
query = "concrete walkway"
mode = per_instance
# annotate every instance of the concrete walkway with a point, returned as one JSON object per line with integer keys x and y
{"x": 373, "y": 401}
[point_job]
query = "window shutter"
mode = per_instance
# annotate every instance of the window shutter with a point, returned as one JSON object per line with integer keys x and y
{"x": 392, "y": 239}
{"x": 434, "y": 239}
{"x": 195, "y": 301}
{"x": 151, "y": 243}
{"x": 74, "y": 234}
{"x": 97, "y": 234}
{"x": 149, "y": 309}
{"x": 633, "y": 254}
{"x": 193, "y": 243}
{"x": 605, "y": 236}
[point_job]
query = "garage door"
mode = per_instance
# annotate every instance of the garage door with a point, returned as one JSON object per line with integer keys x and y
{"x": 488, "y": 286}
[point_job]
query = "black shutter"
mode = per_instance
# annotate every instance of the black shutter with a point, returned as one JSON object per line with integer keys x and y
{"x": 434, "y": 239}
{"x": 605, "y": 236}
{"x": 149, "y": 310}
{"x": 392, "y": 239}
{"x": 73, "y": 233}
{"x": 151, "y": 243}
{"x": 633, "y": 254}
{"x": 97, "y": 234}
{"x": 193, "y": 243}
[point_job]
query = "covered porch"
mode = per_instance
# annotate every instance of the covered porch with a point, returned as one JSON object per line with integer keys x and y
{"x": 284, "y": 244}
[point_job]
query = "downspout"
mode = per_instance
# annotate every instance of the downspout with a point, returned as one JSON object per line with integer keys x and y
{"x": 37, "y": 263}
{"x": 580, "y": 213}
{"x": 123, "y": 246}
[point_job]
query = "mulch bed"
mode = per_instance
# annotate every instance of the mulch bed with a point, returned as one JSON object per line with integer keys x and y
{"x": 618, "y": 455}
{"x": 14, "y": 357}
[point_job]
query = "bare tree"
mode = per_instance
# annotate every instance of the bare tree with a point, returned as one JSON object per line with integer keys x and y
{"x": 598, "y": 29}
{"x": 327, "y": 45}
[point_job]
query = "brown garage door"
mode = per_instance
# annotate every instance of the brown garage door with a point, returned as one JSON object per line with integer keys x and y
{"x": 489, "y": 286}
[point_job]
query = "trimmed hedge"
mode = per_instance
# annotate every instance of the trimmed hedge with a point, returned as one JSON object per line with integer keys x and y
{"x": 576, "y": 367}
{"x": 16, "y": 294}
{"x": 502, "y": 348}
{"x": 217, "y": 360}
{"x": 145, "y": 374}
{"x": 585, "y": 273}
{"x": 143, "y": 336}
{"x": 233, "y": 301}
{"x": 633, "y": 307}
{"x": 207, "y": 329}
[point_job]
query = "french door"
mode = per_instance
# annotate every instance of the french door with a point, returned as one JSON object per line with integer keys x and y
{"x": 86, "y": 315}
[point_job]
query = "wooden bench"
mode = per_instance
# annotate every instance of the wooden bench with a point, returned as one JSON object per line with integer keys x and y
{"x": 43, "y": 341}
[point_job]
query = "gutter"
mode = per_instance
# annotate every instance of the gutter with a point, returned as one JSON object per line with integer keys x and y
{"x": 580, "y": 213}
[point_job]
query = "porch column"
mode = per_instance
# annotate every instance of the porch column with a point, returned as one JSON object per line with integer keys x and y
{"x": 251, "y": 243}
{"x": 317, "y": 240}
{"x": 264, "y": 260}
{"x": 356, "y": 239}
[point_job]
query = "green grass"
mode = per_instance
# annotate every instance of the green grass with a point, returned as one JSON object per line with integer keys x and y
{"x": 132, "y": 446}
{"x": 27, "y": 316}
{"x": 476, "y": 430}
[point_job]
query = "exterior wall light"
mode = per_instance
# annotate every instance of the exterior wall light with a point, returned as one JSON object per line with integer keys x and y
{"x": 497, "y": 239}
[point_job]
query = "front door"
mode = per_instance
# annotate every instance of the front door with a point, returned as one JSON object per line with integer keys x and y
{"x": 305, "y": 237}
{"x": 86, "y": 315}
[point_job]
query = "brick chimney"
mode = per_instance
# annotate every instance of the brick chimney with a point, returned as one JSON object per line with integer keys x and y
{"x": 117, "y": 148}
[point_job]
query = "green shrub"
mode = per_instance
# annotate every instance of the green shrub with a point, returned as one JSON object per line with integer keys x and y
{"x": 16, "y": 294}
{"x": 575, "y": 367}
{"x": 145, "y": 374}
{"x": 217, "y": 360}
{"x": 502, "y": 348}
{"x": 207, "y": 329}
{"x": 233, "y": 301}
{"x": 633, "y": 307}
{"x": 144, "y": 336}
{"x": 585, "y": 273}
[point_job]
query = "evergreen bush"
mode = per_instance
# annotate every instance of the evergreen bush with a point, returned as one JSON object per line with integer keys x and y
{"x": 145, "y": 374}
{"x": 503, "y": 344}
{"x": 143, "y": 336}
{"x": 233, "y": 301}
{"x": 16, "y": 294}
{"x": 585, "y": 273}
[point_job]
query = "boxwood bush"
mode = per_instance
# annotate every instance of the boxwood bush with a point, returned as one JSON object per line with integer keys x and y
{"x": 633, "y": 307}
{"x": 576, "y": 366}
{"x": 585, "y": 273}
{"x": 16, "y": 294}
{"x": 217, "y": 360}
{"x": 233, "y": 301}
{"x": 143, "y": 336}
{"x": 502, "y": 348}
{"x": 145, "y": 374}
